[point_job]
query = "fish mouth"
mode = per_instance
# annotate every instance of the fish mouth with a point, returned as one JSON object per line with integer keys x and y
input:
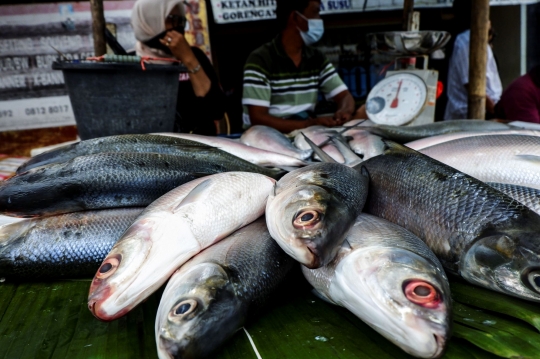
{"x": 440, "y": 342}
{"x": 315, "y": 261}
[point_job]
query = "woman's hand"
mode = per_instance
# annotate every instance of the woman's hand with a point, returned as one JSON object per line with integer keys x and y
{"x": 179, "y": 48}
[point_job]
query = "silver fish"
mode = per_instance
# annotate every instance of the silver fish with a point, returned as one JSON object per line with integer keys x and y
{"x": 404, "y": 134}
{"x": 391, "y": 280}
{"x": 510, "y": 159}
{"x": 485, "y": 236}
{"x": 209, "y": 298}
{"x": 169, "y": 232}
{"x": 250, "y": 154}
{"x": 270, "y": 139}
{"x": 311, "y": 210}
{"x": 435, "y": 140}
{"x": 69, "y": 245}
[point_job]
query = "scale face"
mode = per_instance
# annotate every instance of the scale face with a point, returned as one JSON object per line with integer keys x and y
{"x": 397, "y": 99}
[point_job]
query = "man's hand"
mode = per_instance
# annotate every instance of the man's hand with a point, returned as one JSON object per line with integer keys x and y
{"x": 328, "y": 121}
{"x": 342, "y": 116}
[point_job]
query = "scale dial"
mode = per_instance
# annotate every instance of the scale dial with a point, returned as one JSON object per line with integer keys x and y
{"x": 397, "y": 99}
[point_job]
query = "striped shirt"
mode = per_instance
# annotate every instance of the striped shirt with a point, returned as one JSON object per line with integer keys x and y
{"x": 458, "y": 77}
{"x": 271, "y": 79}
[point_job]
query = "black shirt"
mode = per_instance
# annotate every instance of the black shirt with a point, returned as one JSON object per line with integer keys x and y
{"x": 197, "y": 114}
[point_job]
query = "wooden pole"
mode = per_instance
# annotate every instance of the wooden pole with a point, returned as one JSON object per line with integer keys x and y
{"x": 478, "y": 59}
{"x": 408, "y": 8}
{"x": 98, "y": 27}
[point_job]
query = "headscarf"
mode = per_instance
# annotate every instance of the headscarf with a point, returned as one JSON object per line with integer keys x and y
{"x": 148, "y": 20}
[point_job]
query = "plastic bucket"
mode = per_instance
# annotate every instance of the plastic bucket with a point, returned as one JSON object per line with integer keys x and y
{"x": 115, "y": 98}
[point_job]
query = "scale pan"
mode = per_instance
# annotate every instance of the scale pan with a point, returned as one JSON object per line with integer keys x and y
{"x": 408, "y": 43}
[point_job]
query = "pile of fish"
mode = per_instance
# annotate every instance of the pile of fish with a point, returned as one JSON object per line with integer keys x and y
{"x": 376, "y": 225}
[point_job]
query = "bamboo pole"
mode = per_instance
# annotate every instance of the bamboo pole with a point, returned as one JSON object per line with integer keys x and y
{"x": 408, "y": 8}
{"x": 98, "y": 27}
{"x": 478, "y": 59}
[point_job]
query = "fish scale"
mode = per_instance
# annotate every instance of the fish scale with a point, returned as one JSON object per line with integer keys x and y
{"x": 530, "y": 197}
{"x": 444, "y": 207}
{"x": 105, "y": 180}
{"x": 64, "y": 246}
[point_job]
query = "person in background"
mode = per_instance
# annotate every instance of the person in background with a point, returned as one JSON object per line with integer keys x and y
{"x": 521, "y": 99}
{"x": 458, "y": 71}
{"x": 159, "y": 29}
{"x": 282, "y": 78}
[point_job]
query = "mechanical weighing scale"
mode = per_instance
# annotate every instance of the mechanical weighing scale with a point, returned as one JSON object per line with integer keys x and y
{"x": 406, "y": 96}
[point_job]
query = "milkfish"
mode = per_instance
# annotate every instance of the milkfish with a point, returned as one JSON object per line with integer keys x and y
{"x": 435, "y": 140}
{"x": 106, "y": 180}
{"x": 310, "y": 210}
{"x": 270, "y": 139}
{"x": 391, "y": 280}
{"x": 210, "y": 297}
{"x": 69, "y": 245}
{"x": 510, "y": 159}
{"x": 250, "y": 154}
{"x": 120, "y": 143}
{"x": 169, "y": 232}
{"x": 476, "y": 231}
{"x": 530, "y": 197}
{"x": 404, "y": 134}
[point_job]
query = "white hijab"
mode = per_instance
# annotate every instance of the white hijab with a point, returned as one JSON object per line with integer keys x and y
{"x": 148, "y": 20}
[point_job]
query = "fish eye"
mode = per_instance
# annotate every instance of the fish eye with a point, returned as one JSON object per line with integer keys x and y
{"x": 182, "y": 309}
{"x": 534, "y": 279}
{"x": 422, "y": 293}
{"x": 108, "y": 267}
{"x": 306, "y": 218}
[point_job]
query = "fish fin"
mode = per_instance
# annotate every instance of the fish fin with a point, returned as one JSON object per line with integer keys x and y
{"x": 391, "y": 145}
{"x": 530, "y": 158}
{"x": 274, "y": 188}
{"x": 318, "y": 151}
{"x": 342, "y": 146}
{"x": 347, "y": 128}
{"x": 321, "y": 296}
{"x": 196, "y": 194}
{"x": 287, "y": 168}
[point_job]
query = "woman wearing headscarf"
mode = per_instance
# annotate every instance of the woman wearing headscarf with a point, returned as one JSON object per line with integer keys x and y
{"x": 159, "y": 29}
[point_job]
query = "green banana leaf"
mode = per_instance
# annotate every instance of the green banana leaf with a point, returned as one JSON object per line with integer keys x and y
{"x": 51, "y": 320}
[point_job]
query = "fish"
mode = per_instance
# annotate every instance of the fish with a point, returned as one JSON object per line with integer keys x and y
{"x": 169, "y": 232}
{"x": 317, "y": 134}
{"x": 510, "y": 159}
{"x": 476, "y": 231}
{"x": 251, "y": 154}
{"x": 350, "y": 157}
{"x": 366, "y": 145}
{"x": 311, "y": 209}
{"x": 435, "y": 140}
{"x": 121, "y": 143}
{"x": 530, "y": 197}
{"x": 107, "y": 180}
{"x": 391, "y": 280}
{"x": 210, "y": 297}
{"x": 66, "y": 246}
{"x": 404, "y": 134}
{"x": 270, "y": 139}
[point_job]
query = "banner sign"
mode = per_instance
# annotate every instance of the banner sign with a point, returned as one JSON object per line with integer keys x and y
{"x": 229, "y": 11}
{"x": 33, "y": 36}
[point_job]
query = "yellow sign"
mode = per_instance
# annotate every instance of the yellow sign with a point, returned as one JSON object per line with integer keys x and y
{"x": 197, "y": 25}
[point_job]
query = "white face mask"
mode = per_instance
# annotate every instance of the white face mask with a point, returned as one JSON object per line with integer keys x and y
{"x": 315, "y": 30}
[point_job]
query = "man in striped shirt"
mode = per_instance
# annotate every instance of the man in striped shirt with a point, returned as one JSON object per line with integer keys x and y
{"x": 282, "y": 78}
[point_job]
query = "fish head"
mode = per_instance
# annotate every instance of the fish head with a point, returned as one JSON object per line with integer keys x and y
{"x": 505, "y": 262}
{"x": 306, "y": 223}
{"x": 117, "y": 271}
{"x": 198, "y": 312}
{"x": 401, "y": 294}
